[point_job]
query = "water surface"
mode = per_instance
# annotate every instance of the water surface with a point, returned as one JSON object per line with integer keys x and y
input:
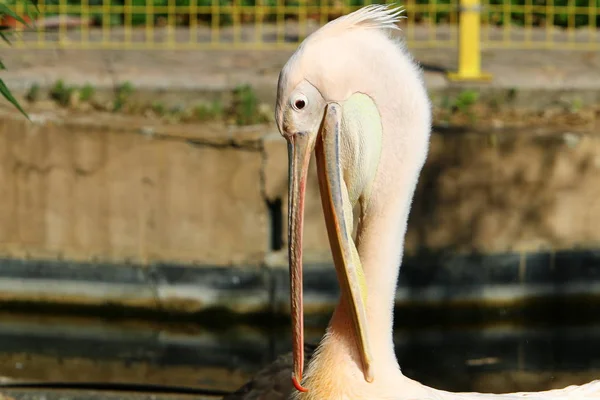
{"x": 497, "y": 358}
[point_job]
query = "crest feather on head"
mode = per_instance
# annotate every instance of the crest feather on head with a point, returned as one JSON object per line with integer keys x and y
{"x": 317, "y": 59}
{"x": 375, "y": 16}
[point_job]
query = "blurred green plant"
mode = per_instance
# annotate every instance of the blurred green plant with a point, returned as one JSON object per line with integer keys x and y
{"x": 87, "y": 92}
{"x": 159, "y": 108}
{"x": 245, "y": 106}
{"x": 575, "y": 105}
{"x": 208, "y": 111}
{"x": 62, "y": 93}
{"x": 33, "y": 94}
{"x": 464, "y": 102}
{"x": 7, "y": 13}
{"x": 495, "y": 12}
{"x": 560, "y": 16}
{"x": 122, "y": 95}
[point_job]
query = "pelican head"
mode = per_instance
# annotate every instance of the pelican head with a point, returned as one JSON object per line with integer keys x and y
{"x": 352, "y": 95}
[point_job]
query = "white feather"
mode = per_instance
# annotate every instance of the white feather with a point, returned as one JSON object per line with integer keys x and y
{"x": 354, "y": 54}
{"x": 375, "y": 16}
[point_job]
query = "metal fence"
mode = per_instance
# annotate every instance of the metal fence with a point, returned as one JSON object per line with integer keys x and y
{"x": 465, "y": 25}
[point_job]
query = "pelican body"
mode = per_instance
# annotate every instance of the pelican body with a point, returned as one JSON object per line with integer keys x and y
{"x": 352, "y": 95}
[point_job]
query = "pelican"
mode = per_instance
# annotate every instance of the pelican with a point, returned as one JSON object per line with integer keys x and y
{"x": 353, "y": 95}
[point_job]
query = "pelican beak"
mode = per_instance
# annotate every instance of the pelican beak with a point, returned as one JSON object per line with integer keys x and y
{"x": 338, "y": 218}
{"x": 300, "y": 147}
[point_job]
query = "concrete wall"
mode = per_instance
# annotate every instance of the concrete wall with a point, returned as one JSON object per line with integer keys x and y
{"x": 112, "y": 189}
{"x": 108, "y": 191}
{"x": 107, "y": 210}
{"x": 510, "y": 191}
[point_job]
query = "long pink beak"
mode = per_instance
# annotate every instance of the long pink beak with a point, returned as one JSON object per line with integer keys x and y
{"x": 336, "y": 210}
{"x": 300, "y": 147}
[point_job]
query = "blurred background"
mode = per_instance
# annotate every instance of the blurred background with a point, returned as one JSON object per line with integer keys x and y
{"x": 143, "y": 207}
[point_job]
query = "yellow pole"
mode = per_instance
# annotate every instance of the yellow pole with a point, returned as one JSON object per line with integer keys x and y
{"x": 469, "y": 43}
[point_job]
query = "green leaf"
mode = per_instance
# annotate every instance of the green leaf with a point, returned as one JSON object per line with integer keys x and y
{"x": 5, "y": 10}
{"x": 28, "y": 9}
{"x": 2, "y": 65}
{"x": 31, "y": 14}
{"x": 3, "y": 36}
{"x": 4, "y": 91}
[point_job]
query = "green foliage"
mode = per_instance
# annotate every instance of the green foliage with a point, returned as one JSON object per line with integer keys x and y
{"x": 142, "y": 18}
{"x": 62, "y": 93}
{"x": 6, "y": 10}
{"x": 465, "y": 100}
{"x": 494, "y": 14}
{"x": 159, "y": 108}
{"x": 87, "y": 92}
{"x": 575, "y": 105}
{"x": 244, "y": 107}
{"x": 208, "y": 111}
{"x": 462, "y": 104}
{"x": 6, "y": 93}
{"x": 33, "y": 94}
{"x": 122, "y": 94}
{"x": 559, "y": 18}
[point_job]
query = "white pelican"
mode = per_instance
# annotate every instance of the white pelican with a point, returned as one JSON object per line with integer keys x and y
{"x": 353, "y": 95}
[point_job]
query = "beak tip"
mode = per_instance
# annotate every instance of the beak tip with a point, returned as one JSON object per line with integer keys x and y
{"x": 369, "y": 374}
{"x": 297, "y": 385}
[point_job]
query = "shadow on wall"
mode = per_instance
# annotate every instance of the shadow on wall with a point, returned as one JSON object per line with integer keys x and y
{"x": 510, "y": 191}
{"x": 506, "y": 217}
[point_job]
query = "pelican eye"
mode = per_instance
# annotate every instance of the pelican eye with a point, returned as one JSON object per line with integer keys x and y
{"x": 299, "y": 103}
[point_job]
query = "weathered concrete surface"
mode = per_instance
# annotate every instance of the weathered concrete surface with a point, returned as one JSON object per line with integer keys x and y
{"x": 164, "y": 200}
{"x": 470, "y": 282}
{"x": 110, "y": 190}
{"x": 117, "y": 189}
{"x": 512, "y": 191}
{"x": 158, "y": 287}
